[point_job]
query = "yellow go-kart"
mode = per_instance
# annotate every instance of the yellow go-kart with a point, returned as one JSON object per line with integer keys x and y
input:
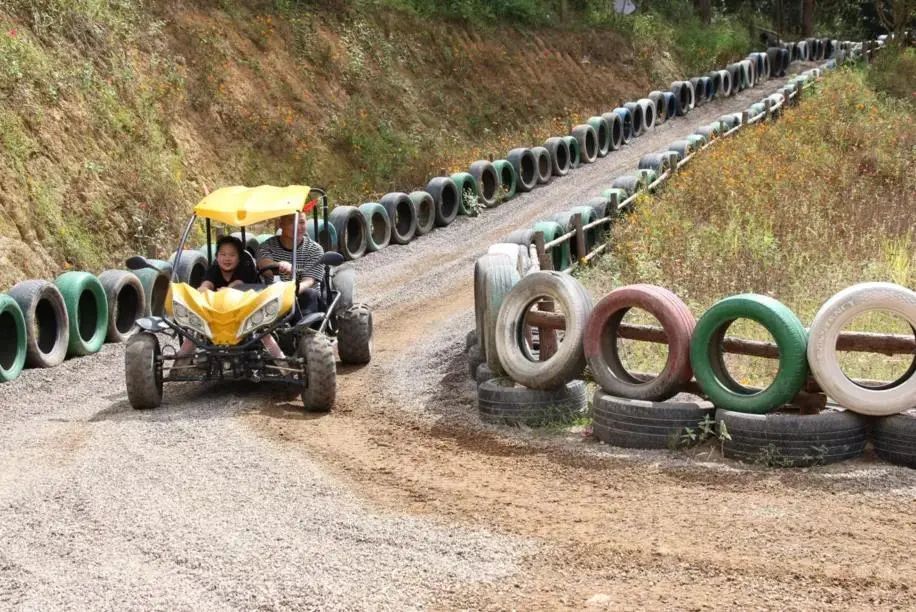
{"x": 227, "y": 326}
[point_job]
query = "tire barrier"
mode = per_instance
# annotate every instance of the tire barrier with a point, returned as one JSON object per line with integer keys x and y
{"x": 87, "y": 312}
{"x": 658, "y": 101}
{"x": 487, "y": 180}
{"x": 790, "y": 439}
{"x": 424, "y": 210}
{"x": 636, "y": 111}
{"x": 734, "y": 70}
{"x": 681, "y": 92}
{"x": 626, "y": 119}
{"x": 155, "y": 290}
{"x": 326, "y": 236}
{"x": 682, "y": 147}
{"x": 352, "y": 231}
{"x": 730, "y": 121}
{"x": 894, "y": 438}
{"x": 483, "y": 373}
{"x": 446, "y": 197}
{"x": 588, "y": 142}
{"x": 660, "y": 162}
{"x": 524, "y": 237}
{"x": 707, "y": 358}
{"x": 502, "y": 402}
{"x": 575, "y": 153}
{"x": 629, "y": 423}
{"x": 829, "y": 321}
{"x": 599, "y": 205}
{"x": 602, "y": 134}
{"x": 46, "y": 322}
{"x": 698, "y": 92}
{"x": 670, "y": 105}
{"x": 13, "y": 349}
{"x": 616, "y": 129}
{"x": 696, "y": 140}
{"x": 587, "y": 214}
{"x": 567, "y": 362}
{"x": 709, "y": 132}
{"x": 647, "y": 177}
{"x": 630, "y": 184}
{"x": 544, "y": 164}
{"x": 716, "y": 83}
{"x": 708, "y": 91}
{"x": 561, "y": 256}
{"x": 483, "y": 267}
{"x": 401, "y": 215}
{"x": 526, "y": 168}
{"x": 648, "y": 113}
{"x": 468, "y": 192}
{"x": 614, "y": 194}
{"x": 508, "y": 179}
{"x": 559, "y": 155}
{"x": 726, "y": 83}
{"x": 498, "y": 281}
{"x": 378, "y": 224}
{"x": 126, "y": 302}
{"x": 518, "y": 254}
{"x": 191, "y": 268}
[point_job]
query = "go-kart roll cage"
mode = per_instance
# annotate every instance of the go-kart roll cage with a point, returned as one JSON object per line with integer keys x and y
{"x": 310, "y": 205}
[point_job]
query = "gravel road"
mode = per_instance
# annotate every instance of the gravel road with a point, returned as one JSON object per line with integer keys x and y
{"x": 231, "y": 497}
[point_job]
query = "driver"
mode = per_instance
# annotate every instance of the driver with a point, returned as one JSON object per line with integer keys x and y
{"x": 279, "y": 250}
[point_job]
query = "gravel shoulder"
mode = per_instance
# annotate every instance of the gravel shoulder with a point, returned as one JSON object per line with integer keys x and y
{"x": 230, "y": 497}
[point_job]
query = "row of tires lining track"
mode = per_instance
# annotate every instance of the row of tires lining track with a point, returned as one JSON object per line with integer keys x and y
{"x": 41, "y": 322}
{"x": 778, "y": 425}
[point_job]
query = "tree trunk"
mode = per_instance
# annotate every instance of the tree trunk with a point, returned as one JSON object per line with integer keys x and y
{"x": 807, "y": 17}
{"x": 703, "y": 9}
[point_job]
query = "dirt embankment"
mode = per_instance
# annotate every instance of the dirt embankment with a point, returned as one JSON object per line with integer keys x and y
{"x": 114, "y": 121}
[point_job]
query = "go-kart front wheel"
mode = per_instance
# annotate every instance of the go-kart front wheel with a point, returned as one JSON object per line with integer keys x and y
{"x": 320, "y": 372}
{"x": 143, "y": 371}
{"x": 354, "y": 335}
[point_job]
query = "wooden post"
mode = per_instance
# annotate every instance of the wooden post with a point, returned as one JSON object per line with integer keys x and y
{"x": 581, "y": 248}
{"x": 744, "y": 118}
{"x": 547, "y": 336}
{"x": 545, "y": 261}
{"x": 442, "y": 172}
{"x": 612, "y": 205}
{"x": 673, "y": 162}
{"x": 490, "y": 157}
{"x": 767, "y": 104}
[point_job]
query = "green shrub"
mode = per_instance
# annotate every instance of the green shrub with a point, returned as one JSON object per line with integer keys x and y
{"x": 894, "y": 72}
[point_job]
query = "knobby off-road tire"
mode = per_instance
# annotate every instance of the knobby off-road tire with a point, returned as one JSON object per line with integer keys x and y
{"x": 501, "y": 401}
{"x": 789, "y": 439}
{"x": 632, "y": 423}
{"x": 143, "y": 371}
{"x": 320, "y": 371}
{"x": 126, "y": 302}
{"x": 13, "y": 346}
{"x": 894, "y": 438}
{"x": 354, "y": 334}
{"x": 46, "y": 322}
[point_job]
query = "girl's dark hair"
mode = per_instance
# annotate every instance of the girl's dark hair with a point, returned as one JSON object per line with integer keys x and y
{"x": 230, "y": 240}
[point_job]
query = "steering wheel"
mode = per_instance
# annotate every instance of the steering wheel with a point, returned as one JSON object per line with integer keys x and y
{"x": 274, "y": 267}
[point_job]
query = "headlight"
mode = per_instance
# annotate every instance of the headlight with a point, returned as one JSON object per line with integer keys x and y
{"x": 185, "y": 317}
{"x": 265, "y": 315}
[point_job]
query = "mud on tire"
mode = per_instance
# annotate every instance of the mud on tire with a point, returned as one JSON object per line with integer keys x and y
{"x": 143, "y": 371}
{"x": 354, "y": 335}
{"x": 319, "y": 371}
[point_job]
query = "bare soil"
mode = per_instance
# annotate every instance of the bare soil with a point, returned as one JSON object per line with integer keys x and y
{"x": 400, "y": 498}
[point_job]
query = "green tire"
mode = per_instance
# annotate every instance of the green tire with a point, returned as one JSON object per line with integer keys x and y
{"x": 575, "y": 154}
{"x": 13, "y": 343}
{"x": 648, "y": 176}
{"x": 560, "y": 255}
{"x": 508, "y": 180}
{"x": 706, "y": 356}
{"x": 87, "y": 307}
{"x": 465, "y": 183}
{"x": 610, "y": 194}
{"x": 588, "y": 215}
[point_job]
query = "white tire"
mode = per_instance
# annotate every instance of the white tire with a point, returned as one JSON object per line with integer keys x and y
{"x": 517, "y": 254}
{"x": 837, "y": 312}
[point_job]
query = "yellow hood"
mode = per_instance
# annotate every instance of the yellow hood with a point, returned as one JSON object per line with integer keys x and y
{"x": 226, "y": 310}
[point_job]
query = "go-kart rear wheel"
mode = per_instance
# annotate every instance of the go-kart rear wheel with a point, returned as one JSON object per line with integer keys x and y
{"x": 320, "y": 371}
{"x": 354, "y": 335}
{"x": 143, "y": 371}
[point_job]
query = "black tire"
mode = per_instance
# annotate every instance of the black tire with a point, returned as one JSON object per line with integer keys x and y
{"x": 191, "y": 268}
{"x": 501, "y": 401}
{"x": 155, "y": 290}
{"x": 524, "y": 237}
{"x": 636, "y": 112}
{"x": 587, "y": 138}
{"x": 894, "y": 438}
{"x": 526, "y": 168}
{"x": 319, "y": 371}
{"x": 544, "y": 163}
{"x": 445, "y": 194}
{"x": 600, "y": 205}
{"x": 559, "y": 155}
{"x": 424, "y": 211}
{"x": 143, "y": 371}
{"x": 575, "y": 155}
{"x": 790, "y": 439}
{"x": 483, "y": 374}
{"x": 13, "y": 347}
{"x": 46, "y": 322}
{"x": 508, "y": 181}
{"x": 660, "y": 162}
{"x": 661, "y": 107}
{"x": 87, "y": 312}
{"x": 468, "y": 192}
{"x": 603, "y": 134}
{"x": 630, "y": 184}
{"x": 354, "y": 334}
{"x": 644, "y": 424}
{"x": 379, "y": 225}
{"x": 352, "y": 231}
{"x": 126, "y": 302}
{"x": 475, "y": 358}
{"x": 402, "y": 215}
{"x": 615, "y": 123}
{"x": 487, "y": 182}
{"x": 682, "y": 95}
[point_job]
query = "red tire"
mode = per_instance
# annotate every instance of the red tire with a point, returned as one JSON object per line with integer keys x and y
{"x": 601, "y": 349}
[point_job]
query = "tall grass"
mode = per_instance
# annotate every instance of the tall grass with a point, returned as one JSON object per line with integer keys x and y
{"x": 797, "y": 209}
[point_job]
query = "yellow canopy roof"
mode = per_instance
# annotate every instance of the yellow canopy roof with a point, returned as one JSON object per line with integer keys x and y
{"x": 242, "y": 206}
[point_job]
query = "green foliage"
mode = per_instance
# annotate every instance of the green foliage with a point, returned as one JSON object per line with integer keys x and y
{"x": 894, "y": 73}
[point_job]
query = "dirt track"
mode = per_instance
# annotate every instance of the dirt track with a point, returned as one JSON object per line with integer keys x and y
{"x": 231, "y": 497}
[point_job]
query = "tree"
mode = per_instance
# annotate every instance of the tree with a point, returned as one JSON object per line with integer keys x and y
{"x": 704, "y": 10}
{"x": 807, "y": 17}
{"x": 895, "y": 15}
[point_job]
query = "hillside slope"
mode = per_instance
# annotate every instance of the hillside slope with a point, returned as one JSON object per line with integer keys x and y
{"x": 114, "y": 117}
